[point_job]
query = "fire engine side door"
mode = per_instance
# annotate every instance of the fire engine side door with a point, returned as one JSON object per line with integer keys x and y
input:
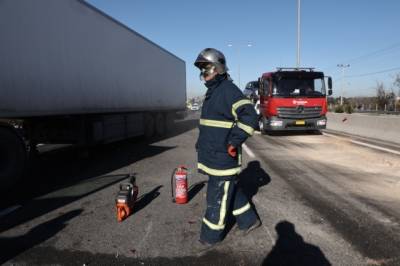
{"x": 265, "y": 93}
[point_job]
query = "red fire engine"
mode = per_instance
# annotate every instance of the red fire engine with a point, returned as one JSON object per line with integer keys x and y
{"x": 293, "y": 99}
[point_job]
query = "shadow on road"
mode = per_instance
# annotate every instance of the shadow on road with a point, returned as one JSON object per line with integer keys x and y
{"x": 145, "y": 199}
{"x": 249, "y": 181}
{"x": 13, "y": 246}
{"x": 252, "y": 178}
{"x": 40, "y": 206}
{"x": 195, "y": 188}
{"x": 294, "y": 133}
{"x": 59, "y": 177}
{"x": 179, "y": 127}
{"x": 291, "y": 250}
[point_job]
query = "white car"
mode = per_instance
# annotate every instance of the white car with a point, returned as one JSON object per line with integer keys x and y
{"x": 195, "y": 107}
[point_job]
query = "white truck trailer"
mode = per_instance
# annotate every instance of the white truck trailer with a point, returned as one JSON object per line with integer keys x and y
{"x": 71, "y": 74}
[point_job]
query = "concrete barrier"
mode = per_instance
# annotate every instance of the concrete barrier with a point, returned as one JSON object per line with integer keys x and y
{"x": 382, "y": 127}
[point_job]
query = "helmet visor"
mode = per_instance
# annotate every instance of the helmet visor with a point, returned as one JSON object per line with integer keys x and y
{"x": 201, "y": 61}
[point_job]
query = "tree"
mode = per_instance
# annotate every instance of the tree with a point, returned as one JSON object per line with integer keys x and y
{"x": 396, "y": 82}
{"x": 381, "y": 99}
{"x": 391, "y": 100}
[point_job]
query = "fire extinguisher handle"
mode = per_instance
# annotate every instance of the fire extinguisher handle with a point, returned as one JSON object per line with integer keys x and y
{"x": 132, "y": 179}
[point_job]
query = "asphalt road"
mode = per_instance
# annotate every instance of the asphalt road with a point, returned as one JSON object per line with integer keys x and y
{"x": 322, "y": 201}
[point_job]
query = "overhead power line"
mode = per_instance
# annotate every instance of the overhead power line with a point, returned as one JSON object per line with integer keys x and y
{"x": 373, "y": 73}
{"x": 373, "y": 53}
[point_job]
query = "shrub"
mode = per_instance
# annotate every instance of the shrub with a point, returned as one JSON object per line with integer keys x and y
{"x": 348, "y": 108}
{"x": 339, "y": 109}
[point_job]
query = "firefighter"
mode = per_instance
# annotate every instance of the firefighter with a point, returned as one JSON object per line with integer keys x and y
{"x": 227, "y": 119}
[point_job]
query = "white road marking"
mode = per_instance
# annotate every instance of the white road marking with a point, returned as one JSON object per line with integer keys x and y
{"x": 363, "y": 144}
{"x": 248, "y": 151}
{"x": 146, "y": 234}
{"x": 9, "y": 210}
{"x": 271, "y": 239}
{"x": 376, "y": 147}
{"x": 330, "y": 135}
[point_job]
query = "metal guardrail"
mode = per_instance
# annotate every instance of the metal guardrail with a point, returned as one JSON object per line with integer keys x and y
{"x": 372, "y": 112}
{"x": 377, "y": 112}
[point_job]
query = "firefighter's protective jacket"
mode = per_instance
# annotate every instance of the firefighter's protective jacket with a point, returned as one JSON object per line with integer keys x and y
{"x": 227, "y": 117}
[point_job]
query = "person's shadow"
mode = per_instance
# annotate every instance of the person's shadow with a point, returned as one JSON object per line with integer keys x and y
{"x": 252, "y": 178}
{"x": 290, "y": 249}
{"x": 249, "y": 181}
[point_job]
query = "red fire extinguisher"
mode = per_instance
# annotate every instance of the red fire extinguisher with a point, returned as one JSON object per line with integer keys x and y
{"x": 180, "y": 178}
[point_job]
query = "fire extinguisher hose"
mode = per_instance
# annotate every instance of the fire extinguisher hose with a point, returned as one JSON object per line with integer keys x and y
{"x": 173, "y": 185}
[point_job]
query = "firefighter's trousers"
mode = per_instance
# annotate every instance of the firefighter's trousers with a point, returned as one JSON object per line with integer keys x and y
{"x": 225, "y": 198}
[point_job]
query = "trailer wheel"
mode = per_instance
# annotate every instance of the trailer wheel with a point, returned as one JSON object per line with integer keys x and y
{"x": 149, "y": 125}
{"x": 160, "y": 124}
{"x": 13, "y": 158}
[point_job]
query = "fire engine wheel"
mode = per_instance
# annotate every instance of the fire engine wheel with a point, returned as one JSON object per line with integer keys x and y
{"x": 149, "y": 125}
{"x": 160, "y": 124}
{"x": 262, "y": 124}
{"x": 13, "y": 158}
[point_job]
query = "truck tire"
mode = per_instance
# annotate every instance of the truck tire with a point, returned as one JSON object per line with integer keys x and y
{"x": 160, "y": 124}
{"x": 149, "y": 126}
{"x": 13, "y": 158}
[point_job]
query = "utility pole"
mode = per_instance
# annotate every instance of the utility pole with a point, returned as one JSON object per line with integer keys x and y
{"x": 238, "y": 58}
{"x": 342, "y": 66}
{"x": 298, "y": 33}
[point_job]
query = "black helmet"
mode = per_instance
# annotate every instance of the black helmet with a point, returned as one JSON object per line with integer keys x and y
{"x": 214, "y": 57}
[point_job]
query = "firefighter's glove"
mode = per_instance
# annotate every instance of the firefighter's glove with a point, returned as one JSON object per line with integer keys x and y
{"x": 232, "y": 151}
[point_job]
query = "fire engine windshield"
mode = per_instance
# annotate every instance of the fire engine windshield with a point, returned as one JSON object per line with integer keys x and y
{"x": 293, "y": 87}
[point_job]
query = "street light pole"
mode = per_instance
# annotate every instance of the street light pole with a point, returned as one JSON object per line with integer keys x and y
{"x": 238, "y": 58}
{"x": 342, "y": 66}
{"x": 298, "y": 33}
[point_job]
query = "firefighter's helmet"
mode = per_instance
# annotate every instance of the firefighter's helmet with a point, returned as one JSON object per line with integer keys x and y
{"x": 214, "y": 57}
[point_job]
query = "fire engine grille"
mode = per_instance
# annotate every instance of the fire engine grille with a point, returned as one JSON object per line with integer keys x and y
{"x": 299, "y": 112}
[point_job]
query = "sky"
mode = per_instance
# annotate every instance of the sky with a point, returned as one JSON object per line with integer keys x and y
{"x": 363, "y": 34}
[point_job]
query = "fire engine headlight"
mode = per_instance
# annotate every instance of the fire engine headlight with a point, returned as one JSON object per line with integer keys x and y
{"x": 321, "y": 122}
{"x": 276, "y": 123}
